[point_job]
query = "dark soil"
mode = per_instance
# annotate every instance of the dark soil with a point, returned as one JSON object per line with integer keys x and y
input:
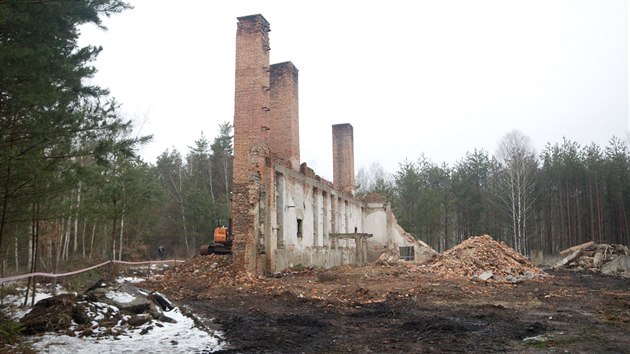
{"x": 402, "y": 309}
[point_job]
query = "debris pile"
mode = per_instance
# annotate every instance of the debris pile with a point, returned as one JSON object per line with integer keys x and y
{"x": 483, "y": 258}
{"x": 102, "y": 311}
{"x": 199, "y": 273}
{"x": 388, "y": 259}
{"x": 594, "y": 257}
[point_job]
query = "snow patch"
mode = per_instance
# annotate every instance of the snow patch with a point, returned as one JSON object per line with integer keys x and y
{"x": 132, "y": 280}
{"x": 180, "y": 337}
{"x": 120, "y": 297}
{"x": 14, "y": 302}
{"x": 159, "y": 337}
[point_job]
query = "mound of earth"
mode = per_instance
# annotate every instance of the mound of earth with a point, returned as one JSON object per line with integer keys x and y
{"x": 481, "y": 257}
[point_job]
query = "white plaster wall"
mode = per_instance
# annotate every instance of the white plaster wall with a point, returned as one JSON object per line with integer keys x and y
{"x": 375, "y": 218}
{"x": 318, "y": 211}
{"x": 314, "y": 247}
{"x": 388, "y": 236}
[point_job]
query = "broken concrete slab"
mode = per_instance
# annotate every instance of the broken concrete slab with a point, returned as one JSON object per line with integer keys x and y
{"x": 129, "y": 299}
{"x": 620, "y": 264}
{"x": 486, "y": 275}
{"x": 595, "y": 257}
{"x": 566, "y": 260}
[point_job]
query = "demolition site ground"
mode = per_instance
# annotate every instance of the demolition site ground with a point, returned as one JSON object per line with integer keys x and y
{"x": 404, "y": 307}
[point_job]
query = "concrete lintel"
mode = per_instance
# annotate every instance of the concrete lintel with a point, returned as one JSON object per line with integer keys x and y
{"x": 350, "y": 235}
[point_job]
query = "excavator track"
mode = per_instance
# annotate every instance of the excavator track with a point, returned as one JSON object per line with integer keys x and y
{"x": 214, "y": 249}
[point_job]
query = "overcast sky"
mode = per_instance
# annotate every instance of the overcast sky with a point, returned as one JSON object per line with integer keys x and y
{"x": 412, "y": 77}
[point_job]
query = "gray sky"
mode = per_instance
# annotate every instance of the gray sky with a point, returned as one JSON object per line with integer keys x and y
{"x": 434, "y": 77}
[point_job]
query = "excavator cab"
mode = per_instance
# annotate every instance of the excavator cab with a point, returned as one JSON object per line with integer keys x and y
{"x": 221, "y": 235}
{"x": 222, "y": 243}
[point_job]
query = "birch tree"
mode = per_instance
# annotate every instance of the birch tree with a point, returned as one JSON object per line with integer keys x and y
{"x": 515, "y": 184}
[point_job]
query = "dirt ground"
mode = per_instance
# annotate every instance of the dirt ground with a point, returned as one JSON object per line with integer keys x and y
{"x": 402, "y": 307}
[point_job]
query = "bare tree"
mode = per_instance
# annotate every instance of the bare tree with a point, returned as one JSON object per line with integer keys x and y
{"x": 370, "y": 179}
{"x": 516, "y": 184}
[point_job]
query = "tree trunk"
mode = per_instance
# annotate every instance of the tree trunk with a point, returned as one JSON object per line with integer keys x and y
{"x": 17, "y": 248}
{"x": 227, "y": 183}
{"x": 33, "y": 252}
{"x": 600, "y": 222}
{"x": 83, "y": 237}
{"x": 92, "y": 238}
{"x": 67, "y": 233}
{"x": 578, "y": 219}
{"x": 569, "y": 217}
{"x": 210, "y": 180}
{"x": 29, "y": 258}
{"x": 5, "y": 206}
{"x": 113, "y": 246}
{"x": 563, "y": 233}
{"x": 180, "y": 197}
{"x": 122, "y": 230}
{"x": 624, "y": 231}
{"x": 591, "y": 210}
{"x": 58, "y": 244}
{"x": 76, "y": 220}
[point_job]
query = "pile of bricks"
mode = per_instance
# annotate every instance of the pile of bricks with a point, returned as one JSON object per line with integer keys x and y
{"x": 483, "y": 258}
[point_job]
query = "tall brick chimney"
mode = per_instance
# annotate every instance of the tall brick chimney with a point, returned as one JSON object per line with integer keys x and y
{"x": 343, "y": 157}
{"x": 251, "y": 101}
{"x": 251, "y": 126}
{"x": 284, "y": 135}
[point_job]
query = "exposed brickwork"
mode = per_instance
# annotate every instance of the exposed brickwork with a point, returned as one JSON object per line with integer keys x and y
{"x": 251, "y": 123}
{"x": 251, "y": 100}
{"x": 273, "y": 196}
{"x": 284, "y": 135}
{"x": 343, "y": 157}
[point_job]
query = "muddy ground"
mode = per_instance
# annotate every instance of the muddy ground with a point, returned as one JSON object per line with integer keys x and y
{"x": 404, "y": 308}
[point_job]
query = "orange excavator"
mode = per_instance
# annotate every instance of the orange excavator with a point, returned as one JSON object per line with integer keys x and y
{"x": 222, "y": 243}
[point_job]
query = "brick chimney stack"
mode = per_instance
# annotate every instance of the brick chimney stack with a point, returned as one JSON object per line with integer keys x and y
{"x": 284, "y": 135}
{"x": 251, "y": 126}
{"x": 251, "y": 101}
{"x": 343, "y": 157}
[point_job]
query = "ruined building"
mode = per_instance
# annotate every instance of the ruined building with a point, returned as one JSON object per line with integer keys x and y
{"x": 283, "y": 214}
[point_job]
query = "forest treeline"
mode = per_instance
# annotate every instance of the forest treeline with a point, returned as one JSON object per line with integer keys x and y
{"x": 72, "y": 186}
{"x": 73, "y": 189}
{"x": 565, "y": 195}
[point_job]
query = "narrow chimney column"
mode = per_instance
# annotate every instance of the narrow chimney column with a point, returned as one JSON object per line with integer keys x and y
{"x": 284, "y": 135}
{"x": 251, "y": 99}
{"x": 343, "y": 157}
{"x": 251, "y": 123}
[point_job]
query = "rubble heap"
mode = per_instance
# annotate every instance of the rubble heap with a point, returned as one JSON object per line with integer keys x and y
{"x": 201, "y": 272}
{"x": 593, "y": 256}
{"x": 483, "y": 258}
{"x": 104, "y": 310}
